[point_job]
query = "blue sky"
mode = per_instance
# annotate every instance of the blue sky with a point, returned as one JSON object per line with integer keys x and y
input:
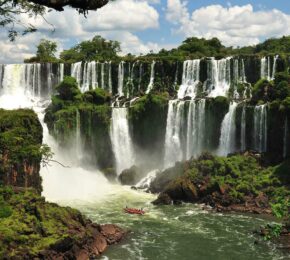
{"x": 144, "y": 25}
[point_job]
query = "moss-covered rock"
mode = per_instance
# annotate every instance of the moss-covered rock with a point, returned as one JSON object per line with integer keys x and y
{"x": 237, "y": 183}
{"x": 20, "y": 148}
{"x": 91, "y": 112}
{"x": 147, "y": 118}
{"x": 32, "y": 228}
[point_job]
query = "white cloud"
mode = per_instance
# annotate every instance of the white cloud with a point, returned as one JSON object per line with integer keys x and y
{"x": 117, "y": 21}
{"x": 234, "y": 25}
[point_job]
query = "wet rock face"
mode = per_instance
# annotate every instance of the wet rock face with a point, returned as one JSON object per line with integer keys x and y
{"x": 90, "y": 244}
{"x": 131, "y": 176}
{"x": 20, "y": 153}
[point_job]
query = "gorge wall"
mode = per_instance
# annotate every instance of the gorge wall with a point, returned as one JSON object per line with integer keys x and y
{"x": 154, "y": 113}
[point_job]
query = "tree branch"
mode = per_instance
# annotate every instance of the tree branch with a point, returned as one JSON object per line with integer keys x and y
{"x": 79, "y": 4}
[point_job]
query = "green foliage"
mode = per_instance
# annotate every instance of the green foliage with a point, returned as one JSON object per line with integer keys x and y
{"x": 96, "y": 49}
{"x": 32, "y": 224}
{"x": 242, "y": 175}
{"x": 281, "y": 207}
{"x": 262, "y": 90}
{"x": 281, "y": 90}
{"x": 46, "y": 51}
{"x": 68, "y": 89}
{"x": 97, "y": 96}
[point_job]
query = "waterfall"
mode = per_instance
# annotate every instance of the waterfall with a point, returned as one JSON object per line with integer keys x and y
{"x": 102, "y": 75}
{"x": 121, "y": 139}
{"x": 243, "y": 129}
{"x": 285, "y": 139}
{"x": 195, "y": 128}
{"x": 152, "y": 76}
{"x": 266, "y": 68}
{"x": 190, "y": 79}
{"x": 173, "y": 145}
{"x": 110, "y": 77}
{"x": 28, "y": 76}
{"x": 140, "y": 75}
{"x": 185, "y": 135}
{"x": 228, "y": 132}
{"x": 260, "y": 128}
{"x": 274, "y": 67}
{"x": 61, "y": 72}
{"x": 121, "y": 78}
{"x": 76, "y": 70}
{"x": 219, "y": 77}
{"x": 49, "y": 79}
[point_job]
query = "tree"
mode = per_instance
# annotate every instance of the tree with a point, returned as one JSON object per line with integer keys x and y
{"x": 46, "y": 51}
{"x": 96, "y": 49}
{"x": 11, "y": 9}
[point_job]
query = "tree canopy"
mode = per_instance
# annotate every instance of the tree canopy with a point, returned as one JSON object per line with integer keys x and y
{"x": 46, "y": 51}
{"x": 96, "y": 49}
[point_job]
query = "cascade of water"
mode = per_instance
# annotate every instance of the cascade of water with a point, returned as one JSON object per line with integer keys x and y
{"x": 61, "y": 72}
{"x": 173, "y": 145}
{"x": 110, "y": 77}
{"x": 76, "y": 70}
{"x": 243, "y": 129}
{"x": 102, "y": 75}
{"x": 49, "y": 79}
{"x": 219, "y": 77}
{"x": 266, "y": 68}
{"x": 285, "y": 139}
{"x": 121, "y": 139}
{"x": 140, "y": 75}
{"x": 131, "y": 79}
{"x": 274, "y": 67}
{"x": 190, "y": 79}
{"x": 121, "y": 78}
{"x": 228, "y": 132}
{"x": 260, "y": 128}
{"x": 152, "y": 76}
{"x": 195, "y": 128}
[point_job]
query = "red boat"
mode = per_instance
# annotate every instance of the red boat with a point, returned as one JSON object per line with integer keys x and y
{"x": 134, "y": 211}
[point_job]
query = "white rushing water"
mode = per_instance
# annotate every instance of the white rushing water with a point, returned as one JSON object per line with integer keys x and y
{"x": 60, "y": 184}
{"x": 152, "y": 77}
{"x": 190, "y": 79}
{"x": 121, "y": 79}
{"x": 260, "y": 129}
{"x": 195, "y": 128}
{"x": 184, "y": 134}
{"x": 121, "y": 139}
{"x": 243, "y": 129}
{"x": 266, "y": 71}
{"x": 219, "y": 77}
{"x": 228, "y": 132}
{"x": 173, "y": 146}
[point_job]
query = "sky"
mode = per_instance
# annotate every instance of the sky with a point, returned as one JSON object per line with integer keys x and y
{"x": 144, "y": 25}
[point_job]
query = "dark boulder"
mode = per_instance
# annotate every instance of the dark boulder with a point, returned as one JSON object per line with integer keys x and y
{"x": 131, "y": 176}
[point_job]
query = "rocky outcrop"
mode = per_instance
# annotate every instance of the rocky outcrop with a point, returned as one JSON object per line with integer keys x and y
{"x": 225, "y": 184}
{"x": 131, "y": 176}
{"x": 20, "y": 149}
{"x": 89, "y": 245}
{"x": 32, "y": 228}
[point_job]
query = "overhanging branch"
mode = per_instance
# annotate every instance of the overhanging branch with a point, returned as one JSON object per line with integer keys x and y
{"x": 79, "y": 4}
